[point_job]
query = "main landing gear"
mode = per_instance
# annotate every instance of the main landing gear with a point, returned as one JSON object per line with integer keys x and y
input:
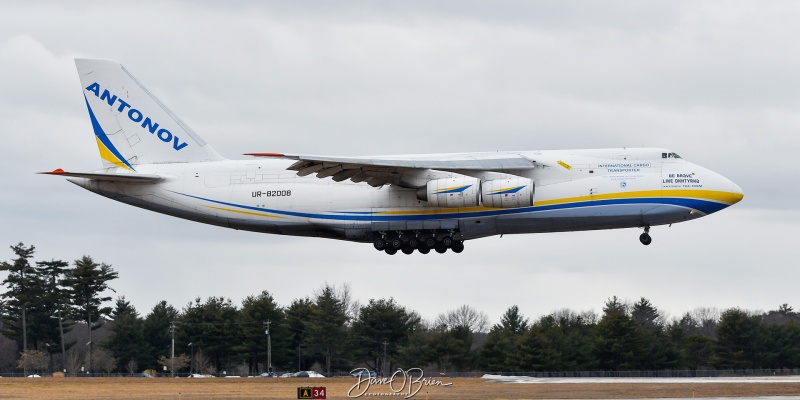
{"x": 645, "y": 237}
{"x": 423, "y": 242}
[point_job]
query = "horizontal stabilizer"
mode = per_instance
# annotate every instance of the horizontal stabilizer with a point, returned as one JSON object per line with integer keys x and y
{"x": 99, "y": 176}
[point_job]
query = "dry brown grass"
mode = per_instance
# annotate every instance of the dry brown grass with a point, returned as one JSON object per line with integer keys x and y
{"x": 462, "y": 388}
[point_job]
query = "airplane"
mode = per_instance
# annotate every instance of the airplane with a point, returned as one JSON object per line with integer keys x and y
{"x": 153, "y": 160}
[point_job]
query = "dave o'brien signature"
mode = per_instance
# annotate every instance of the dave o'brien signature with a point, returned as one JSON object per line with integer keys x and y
{"x": 408, "y": 382}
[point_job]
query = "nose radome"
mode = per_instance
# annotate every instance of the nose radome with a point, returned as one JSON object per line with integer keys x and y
{"x": 737, "y": 194}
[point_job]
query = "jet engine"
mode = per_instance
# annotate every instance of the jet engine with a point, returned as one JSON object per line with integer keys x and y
{"x": 507, "y": 193}
{"x": 451, "y": 192}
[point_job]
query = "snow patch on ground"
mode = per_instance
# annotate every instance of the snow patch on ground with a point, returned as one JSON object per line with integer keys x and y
{"x": 742, "y": 379}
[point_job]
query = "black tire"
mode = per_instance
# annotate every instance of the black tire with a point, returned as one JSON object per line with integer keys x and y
{"x": 457, "y": 247}
{"x": 379, "y": 244}
{"x": 407, "y": 249}
{"x": 424, "y": 249}
{"x": 391, "y": 251}
{"x": 395, "y": 243}
{"x": 447, "y": 241}
{"x": 430, "y": 242}
{"x": 413, "y": 242}
{"x": 441, "y": 249}
{"x": 645, "y": 239}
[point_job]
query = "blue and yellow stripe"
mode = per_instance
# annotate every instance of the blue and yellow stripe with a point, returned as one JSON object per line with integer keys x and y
{"x": 506, "y": 190}
{"x": 453, "y": 189}
{"x": 107, "y": 149}
{"x": 705, "y": 201}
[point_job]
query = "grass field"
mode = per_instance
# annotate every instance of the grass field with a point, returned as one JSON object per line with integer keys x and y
{"x": 337, "y": 388}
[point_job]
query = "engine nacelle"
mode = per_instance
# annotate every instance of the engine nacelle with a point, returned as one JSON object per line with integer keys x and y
{"x": 451, "y": 192}
{"x": 507, "y": 193}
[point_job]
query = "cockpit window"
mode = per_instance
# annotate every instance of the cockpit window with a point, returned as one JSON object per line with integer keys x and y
{"x": 670, "y": 155}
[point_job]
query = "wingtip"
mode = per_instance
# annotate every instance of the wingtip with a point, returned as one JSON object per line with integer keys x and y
{"x": 57, "y": 171}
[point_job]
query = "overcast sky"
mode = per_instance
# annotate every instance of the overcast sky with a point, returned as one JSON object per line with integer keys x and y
{"x": 716, "y": 82}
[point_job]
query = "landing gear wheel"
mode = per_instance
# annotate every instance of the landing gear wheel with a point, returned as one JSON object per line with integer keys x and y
{"x": 391, "y": 251}
{"x": 407, "y": 249}
{"x": 395, "y": 243}
{"x": 413, "y": 242}
{"x": 645, "y": 239}
{"x": 430, "y": 242}
{"x": 424, "y": 249}
{"x": 441, "y": 249}
{"x": 457, "y": 247}
{"x": 379, "y": 244}
{"x": 447, "y": 241}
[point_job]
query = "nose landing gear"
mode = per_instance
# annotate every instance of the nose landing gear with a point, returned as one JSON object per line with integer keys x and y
{"x": 645, "y": 237}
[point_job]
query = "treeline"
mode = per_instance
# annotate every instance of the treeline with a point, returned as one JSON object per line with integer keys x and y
{"x": 56, "y": 316}
{"x": 637, "y": 337}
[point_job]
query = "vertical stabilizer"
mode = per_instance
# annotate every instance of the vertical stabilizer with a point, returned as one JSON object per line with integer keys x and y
{"x": 131, "y": 126}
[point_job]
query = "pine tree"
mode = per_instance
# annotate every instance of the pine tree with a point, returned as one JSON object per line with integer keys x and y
{"x": 298, "y": 319}
{"x": 56, "y": 298}
{"x": 659, "y": 351}
{"x": 21, "y": 284}
{"x": 619, "y": 343}
{"x": 157, "y": 334}
{"x": 327, "y": 330}
{"x": 258, "y": 315}
{"x": 382, "y": 327}
{"x": 539, "y": 347}
{"x": 739, "y": 340}
{"x": 87, "y": 282}
{"x": 501, "y": 351}
{"x": 211, "y": 326}
{"x": 577, "y": 345}
{"x": 645, "y": 314}
{"x": 126, "y": 343}
{"x": 513, "y": 321}
{"x": 450, "y": 348}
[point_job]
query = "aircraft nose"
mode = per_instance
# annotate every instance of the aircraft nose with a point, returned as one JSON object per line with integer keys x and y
{"x": 737, "y": 194}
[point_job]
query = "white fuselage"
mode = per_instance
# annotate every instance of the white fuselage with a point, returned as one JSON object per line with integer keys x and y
{"x": 574, "y": 190}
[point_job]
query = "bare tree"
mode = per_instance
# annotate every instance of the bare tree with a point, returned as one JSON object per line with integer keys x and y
{"x": 317, "y": 367}
{"x": 567, "y": 314}
{"x": 74, "y": 360}
{"x": 34, "y": 360}
{"x": 8, "y": 354}
{"x": 178, "y": 363}
{"x": 476, "y": 321}
{"x": 202, "y": 363}
{"x": 785, "y": 314}
{"x": 132, "y": 366}
{"x": 706, "y": 318}
{"x": 103, "y": 360}
{"x": 242, "y": 370}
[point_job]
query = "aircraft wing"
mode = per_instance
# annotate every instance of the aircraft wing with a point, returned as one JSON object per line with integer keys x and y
{"x": 124, "y": 178}
{"x": 380, "y": 170}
